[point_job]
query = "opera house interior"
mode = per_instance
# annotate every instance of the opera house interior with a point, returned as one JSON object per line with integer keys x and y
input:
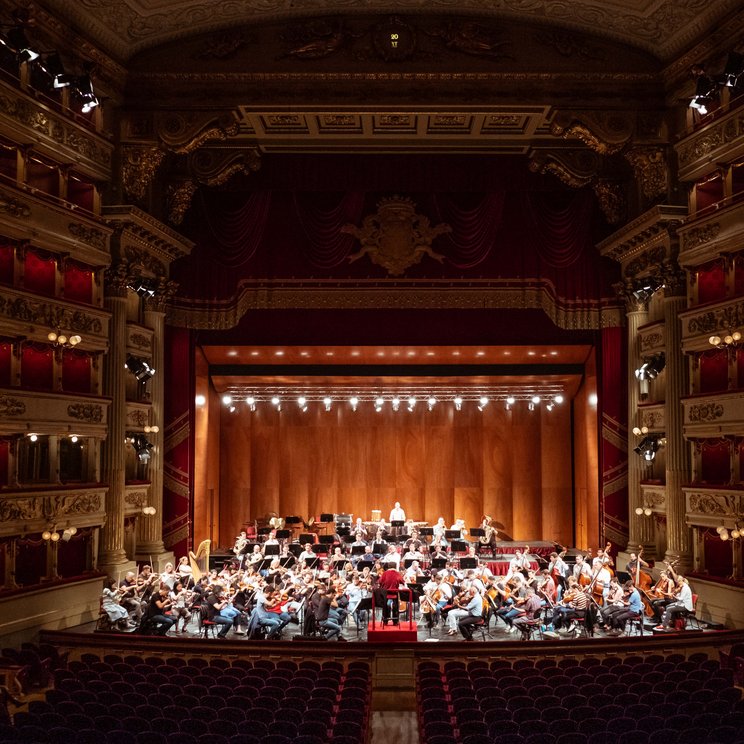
{"x": 289, "y": 286}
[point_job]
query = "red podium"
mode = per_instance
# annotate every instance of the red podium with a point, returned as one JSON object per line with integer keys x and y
{"x": 406, "y": 631}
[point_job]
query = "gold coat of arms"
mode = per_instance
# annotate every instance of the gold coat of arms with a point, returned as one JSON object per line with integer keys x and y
{"x": 396, "y": 237}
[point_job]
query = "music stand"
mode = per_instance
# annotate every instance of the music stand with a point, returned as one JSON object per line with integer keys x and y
{"x": 408, "y": 562}
{"x": 264, "y": 530}
{"x": 343, "y": 531}
{"x": 326, "y": 518}
{"x": 287, "y": 561}
{"x": 264, "y": 564}
{"x": 320, "y": 549}
{"x": 453, "y": 534}
{"x": 326, "y": 539}
{"x": 283, "y": 534}
{"x": 477, "y": 532}
{"x": 295, "y": 549}
{"x": 468, "y": 562}
{"x": 379, "y": 548}
{"x": 306, "y": 537}
{"x": 312, "y": 562}
{"x": 271, "y": 550}
{"x": 292, "y": 520}
{"x": 358, "y": 549}
{"x": 365, "y": 605}
{"x": 438, "y": 563}
{"x": 426, "y": 531}
{"x": 459, "y": 546}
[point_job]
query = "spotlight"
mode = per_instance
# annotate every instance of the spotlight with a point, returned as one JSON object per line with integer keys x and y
{"x": 705, "y": 89}
{"x": 83, "y": 89}
{"x": 142, "y": 447}
{"x": 431, "y": 402}
{"x": 650, "y": 369}
{"x": 558, "y": 399}
{"x": 143, "y": 287}
{"x": 200, "y": 400}
{"x": 511, "y": 400}
{"x": 139, "y": 368}
{"x": 250, "y": 401}
{"x": 647, "y": 448}
{"x": 482, "y": 403}
{"x": 395, "y": 403}
{"x": 33, "y": 437}
{"x": 302, "y": 403}
{"x": 226, "y": 400}
{"x": 530, "y": 406}
{"x": 458, "y": 403}
{"x": 353, "y": 402}
{"x": 275, "y": 401}
{"x": 550, "y": 406}
{"x": 327, "y": 402}
{"x": 17, "y": 41}
{"x": 644, "y": 289}
{"x": 733, "y": 70}
{"x": 52, "y": 65}
{"x": 74, "y": 438}
{"x": 535, "y": 399}
{"x": 411, "y": 404}
{"x": 379, "y": 402}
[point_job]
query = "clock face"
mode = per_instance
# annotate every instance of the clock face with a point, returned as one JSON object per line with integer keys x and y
{"x": 394, "y": 40}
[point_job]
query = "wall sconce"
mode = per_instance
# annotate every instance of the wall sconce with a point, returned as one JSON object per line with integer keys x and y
{"x": 736, "y": 533}
{"x": 732, "y": 338}
{"x": 644, "y": 510}
{"x": 149, "y": 511}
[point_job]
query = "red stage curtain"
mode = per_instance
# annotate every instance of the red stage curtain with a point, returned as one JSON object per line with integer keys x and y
{"x": 740, "y": 446}
{"x": 7, "y": 259}
{"x": 6, "y": 354}
{"x": 714, "y": 371}
{"x": 39, "y": 273}
{"x": 78, "y": 283}
{"x": 739, "y": 276}
{"x": 75, "y": 371}
{"x": 37, "y": 367}
{"x": 614, "y": 427}
{"x": 80, "y": 192}
{"x": 715, "y": 461}
{"x": 711, "y": 281}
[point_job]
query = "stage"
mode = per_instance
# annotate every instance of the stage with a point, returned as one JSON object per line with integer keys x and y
{"x": 406, "y": 632}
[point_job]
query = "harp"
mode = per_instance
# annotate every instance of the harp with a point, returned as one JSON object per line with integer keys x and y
{"x": 200, "y": 560}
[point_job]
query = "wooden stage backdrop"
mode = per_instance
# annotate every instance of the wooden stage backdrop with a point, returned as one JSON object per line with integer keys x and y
{"x": 514, "y": 465}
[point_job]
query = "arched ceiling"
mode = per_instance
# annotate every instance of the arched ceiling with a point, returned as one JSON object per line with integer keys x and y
{"x": 123, "y": 28}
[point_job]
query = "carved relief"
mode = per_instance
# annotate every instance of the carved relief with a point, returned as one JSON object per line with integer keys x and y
{"x": 21, "y": 510}
{"x": 652, "y": 259}
{"x": 11, "y": 406}
{"x": 652, "y": 419}
{"x": 702, "y": 145}
{"x": 651, "y": 341}
{"x": 179, "y": 200}
{"x": 139, "y": 257}
{"x": 722, "y": 319}
{"x": 705, "y": 503}
{"x": 215, "y": 167}
{"x": 611, "y": 200}
{"x": 650, "y": 170}
{"x": 699, "y": 235}
{"x": 606, "y": 134}
{"x": 571, "y": 45}
{"x": 141, "y": 341}
{"x": 185, "y": 134}
{"x": 80, "y": 503}
{"x": 468, "y": 37}
{"x": 396, "y": 237}
{"x": 139, "y": 164}
{"x": 89, "y": 235}
{"x": 138, "y": 417}
{"x": 117, "y": 278}
{"x": 88, "y": 412}
{"x": 136, "y": 498}
{"x": 705, "y": 412}
{"x": 12, "y": 206}
{"x": 50, "y": 315}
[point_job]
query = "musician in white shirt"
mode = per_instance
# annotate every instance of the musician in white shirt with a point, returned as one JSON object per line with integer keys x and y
{"x": 682, "y": 604}
{"x": 397, "y": 514}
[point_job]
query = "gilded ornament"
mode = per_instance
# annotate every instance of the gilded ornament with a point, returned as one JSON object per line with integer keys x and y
{"x": 611, "y": 200}
{"x": 179, "y": 200}
{"x": 722, "y": 319}
{"x": 651, "y": 341}
{"x": 577, "y": 130}
{"x": 139, "y": 164}
{"x": 81, "y": 503}
{"x": 21, "y": 510}
{"x": 396, "y": 237}
{"x": 86, "y": 412}
{"x": 650, "y": 169}
{"x": 117, "y": 278}
{"x": 140, "y": 257}
{"x": 504, "y": 120}
{"x": 704, "y": 503}
{"x": 12, "y": 206}
{"x": 140, "y": 340}
{"x": 138, "y": 417}
{"x": 705, "y": 412}
{"x": 11, "y": 406}
{"x": 49, "y": 315}
{"x": 136, "y": 498}
{"x": 699, "y": 235}
{"x": 89, "y": 235}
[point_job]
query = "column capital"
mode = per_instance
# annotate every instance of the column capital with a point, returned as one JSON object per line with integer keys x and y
{"x": 118, "y": 276}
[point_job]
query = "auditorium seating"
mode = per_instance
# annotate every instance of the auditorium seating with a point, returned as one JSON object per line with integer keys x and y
{"x": 609, "y": 700}
{"x": 150, "y": 700}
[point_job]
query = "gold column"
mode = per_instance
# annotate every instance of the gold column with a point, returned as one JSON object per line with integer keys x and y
{"x": 679, "y": 545}
{"x": 640, "y": 528}
{"x": 150, "y": 527}
{"x": 112, "y": 551}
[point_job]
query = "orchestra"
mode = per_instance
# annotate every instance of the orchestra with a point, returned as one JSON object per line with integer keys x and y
{"x": 428, "y": 573}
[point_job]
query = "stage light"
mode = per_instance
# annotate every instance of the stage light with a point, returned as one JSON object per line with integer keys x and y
{"x": 431, "y": 402}
{"x": 482, "y": 403}
{"x": 327, "y": 402}
{"x": 535, "y": 399}
{"x": 83, "y": 87}
{"x": 145, "y": 288}
{"x": 139, "y": 368}
{"x": 250, "y": 401}
{"x": 650, "y": 368}
{"x": 353, "y": 402}
{"x": 227, "y": 400}
{"x": 33, "y": 437}
{"x": 379, "y": 402}
{"x": 142, "y": 447}
{"x": 200, "y": 400}
{"x": 74, "y": 438}
{"x": 511, "y": 400}
{"x": 395, "y": 403}
{"x": 550, "y": 406}
{"x": 705, "y": 90}
{"x": 458, "y": 403}
{"x": 52, "y": 65}
{"x": 733, "y": 70}
{"x": 647, "y": 448}
{"x": 276, "y": 401}
{"x": 558, "y": 399}
{"x": 302, "y": 403}
{"x": 645, "y": 288}
{"x": 17, "y": 41}
{"x": 411, "y": 404}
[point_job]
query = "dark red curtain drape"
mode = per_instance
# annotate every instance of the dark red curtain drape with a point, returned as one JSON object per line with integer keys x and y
{"x": 30, "y": 560}
{"x": 4, "y": 450}
{"x": 37, "y": 367}
{"x": 718, "y": 556}
{"x": 6, "y": 353}
{"x": 7, "y": 259}
{"x": 78, "y": 283}
{"x": 714, "y": 371}
{"x": 76, "y": 367}
{"x": 72, "y": 555}
{"x": 39, "y": 273}
{"x": 711, "y": 281}
{"x": 715, "y": 461}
